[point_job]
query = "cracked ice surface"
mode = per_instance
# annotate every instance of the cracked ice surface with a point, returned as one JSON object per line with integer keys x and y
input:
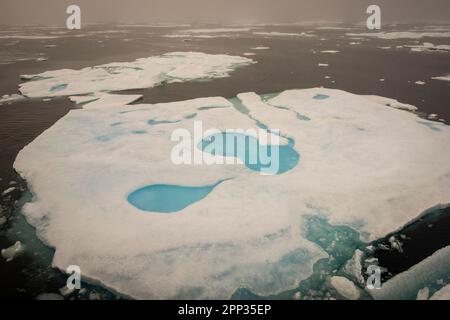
{"x": 360, "y": 161}
{"x": 141, "y": 73}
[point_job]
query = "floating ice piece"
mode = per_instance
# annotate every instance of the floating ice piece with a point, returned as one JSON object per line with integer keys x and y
{"x": 248, "y": 231}
{"x": 249, "y": 54}
{"x": 354, "y": 266}
{"x": 283, "y": 34}
{"x": 11, "y": 98}
{"x": 217, "y": 30}
{"x": 330, "y": 51}
{"x": 401, "y": 35}
{"x": 442, "y": 294}
{"x": 323, "y": 64}
{"x": 345, "y": 287}
{"x": 142, "y": 73}
{"x": 66, "y": 291}
{"x": 28, "y": 37}
{"x": 420, "y": 83}
{"x": 10, "y": 253}
{"x": 423, "y": 294}
{"x": 9, "y": 190}
{"x": 260, "y": 48}
{"x": 443, "y": 78}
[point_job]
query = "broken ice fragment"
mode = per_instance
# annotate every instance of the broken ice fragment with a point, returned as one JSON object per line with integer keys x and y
{"x": 10, "y": 253}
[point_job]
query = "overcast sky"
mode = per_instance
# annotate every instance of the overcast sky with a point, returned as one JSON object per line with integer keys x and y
{"x": 50, "y": 12}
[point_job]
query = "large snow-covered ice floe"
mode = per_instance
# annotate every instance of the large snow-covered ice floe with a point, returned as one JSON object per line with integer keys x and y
{"x": 363, "y": 165}
{"x": 141, "y": 73}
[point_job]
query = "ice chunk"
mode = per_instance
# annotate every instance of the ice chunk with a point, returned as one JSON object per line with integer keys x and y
{"x": 10, "y": 253}
{"x": 354, "y": 266}
{"x": 420, "y": 83}
{"x": 9, "y": 190}
{"x": 423, "y": 294}
{"x": 330, "y": 51}
{"x": 141, "y": 73}
{"x": 345, "y": 287}
{"x": 443, "y": 78}
{"x": 442, "y": 294}
{"x": 11, "y": 98}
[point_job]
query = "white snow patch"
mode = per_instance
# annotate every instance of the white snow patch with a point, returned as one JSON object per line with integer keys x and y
{"x": 141, "y": 73}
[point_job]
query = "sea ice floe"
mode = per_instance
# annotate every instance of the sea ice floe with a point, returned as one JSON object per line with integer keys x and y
{"x": 443, "y": 78}
{"x": 401, "y": 35}
{"x": 250, "y": 230}
{"x": 428, "y": 46}
{"x": 442, "y": 294}
{"x": 141, "y": 73}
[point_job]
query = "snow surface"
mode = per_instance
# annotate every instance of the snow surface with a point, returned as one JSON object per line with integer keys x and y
{"x": 248, "y": 231}
{"x": 141, "y": 73}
